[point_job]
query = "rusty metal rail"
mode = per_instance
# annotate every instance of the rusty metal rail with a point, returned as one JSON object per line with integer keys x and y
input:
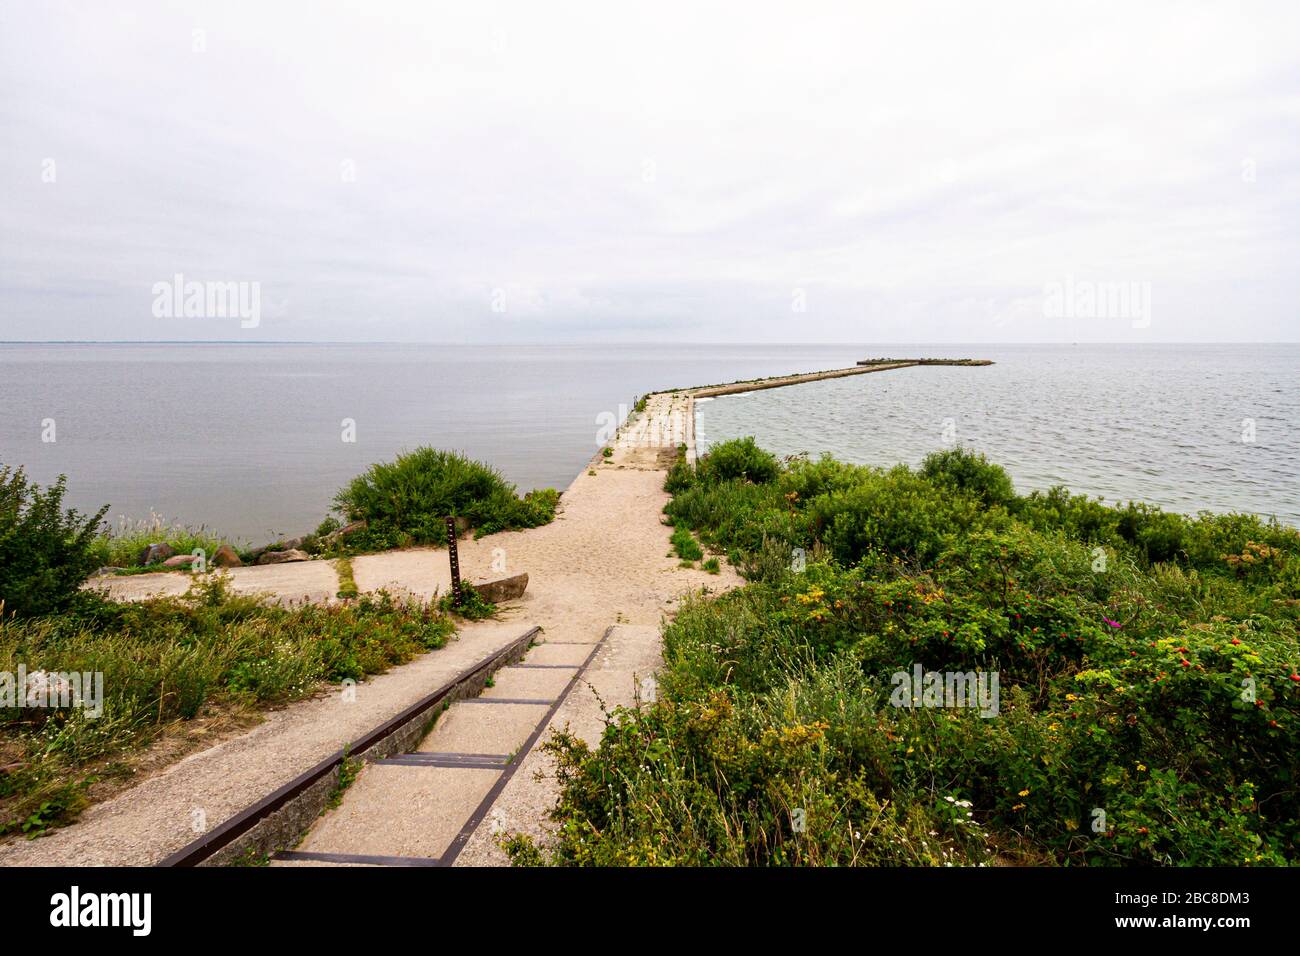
{"x": 236, "y": 834}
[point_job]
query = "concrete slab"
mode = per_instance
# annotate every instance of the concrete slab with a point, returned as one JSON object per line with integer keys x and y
{"x": 422, "y": 571}
{"x": 483, "y": 728}
{"x": 528, "y": 683}
{"x": 314, "y": 581}
{"x": 630, "y": 654}
{"x": 573, "y": 654}
{"x": 401, "y": 811}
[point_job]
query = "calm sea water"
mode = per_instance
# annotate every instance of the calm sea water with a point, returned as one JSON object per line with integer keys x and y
{"x": 1188, "y": 427}
{"x": 247, "y": 439}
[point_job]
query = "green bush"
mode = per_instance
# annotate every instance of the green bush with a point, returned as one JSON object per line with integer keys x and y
{"x": 738, "y": 459}
{"x": 899, "y": 512}
{"x": 969, "y": 473}
{"x": 46, "y": 551}
{"x": 1149, "y": 706}
{"x": 408, "y": 500}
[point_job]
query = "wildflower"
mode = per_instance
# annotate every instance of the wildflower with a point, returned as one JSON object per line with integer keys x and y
{"x": 1023, "y": 793}
{"x": 1115, "y": 624}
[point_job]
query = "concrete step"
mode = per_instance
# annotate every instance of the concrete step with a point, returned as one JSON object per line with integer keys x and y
{"x": 483, "y": 728}
{"x": 400, "y": 813}
{"x": 406, "y": 810}
{"x": 531, "y": 683}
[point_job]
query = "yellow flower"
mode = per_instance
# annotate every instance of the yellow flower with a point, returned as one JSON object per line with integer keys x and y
{"x": 1018, "y": 806}
{"x": 1142, "y": 766}
{"x": 1023, "y": 793}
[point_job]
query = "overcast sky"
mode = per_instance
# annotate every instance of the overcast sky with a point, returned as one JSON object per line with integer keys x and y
{"x": 539, "y": 172}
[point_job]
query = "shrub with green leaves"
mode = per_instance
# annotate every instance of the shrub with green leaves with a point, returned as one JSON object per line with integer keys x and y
{"x": 739, "y": 459}
{"x": 1148, "y": 668}
{"x": 46, "y": 550}
{"x": 407, "y": 501}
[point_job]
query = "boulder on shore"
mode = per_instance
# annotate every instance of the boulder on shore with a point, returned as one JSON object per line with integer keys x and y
{"x": 283, "y": 557}
{"x": 157, "y": 553}
{"x": 180, "y": 561}
{"x": 284, "y": 544}
{"x": 509, "y": 588}
{"x": 344, "y": 531}
{"x": 226, "y": 557}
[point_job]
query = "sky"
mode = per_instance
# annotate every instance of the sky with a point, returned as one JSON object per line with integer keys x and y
{"x": 696, "y": 172}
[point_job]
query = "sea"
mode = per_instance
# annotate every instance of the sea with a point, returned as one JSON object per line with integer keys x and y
{"x": 252, "y": 441}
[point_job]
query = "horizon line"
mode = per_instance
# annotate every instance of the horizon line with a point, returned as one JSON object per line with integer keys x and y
{"x": 608, "y": 343}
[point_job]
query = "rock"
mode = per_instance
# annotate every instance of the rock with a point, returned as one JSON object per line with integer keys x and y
{"x": 180, "y": 561}
{"x": 105, "y": 571}
{"x": 226, "y": 557}
{"x": 344, "y": 531}
{"x": 283, "y": 557}
{"x": 156, "y": 553}
{"x": 509, "y": 588}
{"x": 290, "y": 544}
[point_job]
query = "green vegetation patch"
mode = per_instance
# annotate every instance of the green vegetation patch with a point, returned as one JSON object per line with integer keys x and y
{"x": 1147, "y": 708}
{"x": 407, "y": 501}
{"x": 176, "y": 659}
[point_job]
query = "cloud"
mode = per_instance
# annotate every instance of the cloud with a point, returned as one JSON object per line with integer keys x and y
{"x": 398, "y": 171}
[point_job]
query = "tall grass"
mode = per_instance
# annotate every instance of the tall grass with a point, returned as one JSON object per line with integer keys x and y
{"x": 175, "y": 659}
{"x": 122, "y": 545}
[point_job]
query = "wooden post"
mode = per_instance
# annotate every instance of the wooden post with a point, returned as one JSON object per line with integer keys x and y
{"x": 454, "y": 557}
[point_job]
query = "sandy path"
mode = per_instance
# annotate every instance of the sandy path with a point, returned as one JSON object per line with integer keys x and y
{"x": 604, "y": 561}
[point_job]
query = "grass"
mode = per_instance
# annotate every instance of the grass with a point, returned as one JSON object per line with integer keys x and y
{"x": 347, "y": 583}
{"x": 472, "y": 607}
{"x": 349, "y": 769}
{"x": 168, "y": 662}
{"x": 685, "y": 546}
{"x": 122, "y": 545}
{"x": 1149, "y": 703}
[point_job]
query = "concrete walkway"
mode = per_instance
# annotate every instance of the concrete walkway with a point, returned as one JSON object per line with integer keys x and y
{"x": 601, "y": 580}
{"x": 165, "y": 812}
{"x": 602, "y": 567}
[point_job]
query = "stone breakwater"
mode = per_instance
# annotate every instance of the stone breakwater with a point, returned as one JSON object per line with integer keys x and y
{"x": 863, "y": 367}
